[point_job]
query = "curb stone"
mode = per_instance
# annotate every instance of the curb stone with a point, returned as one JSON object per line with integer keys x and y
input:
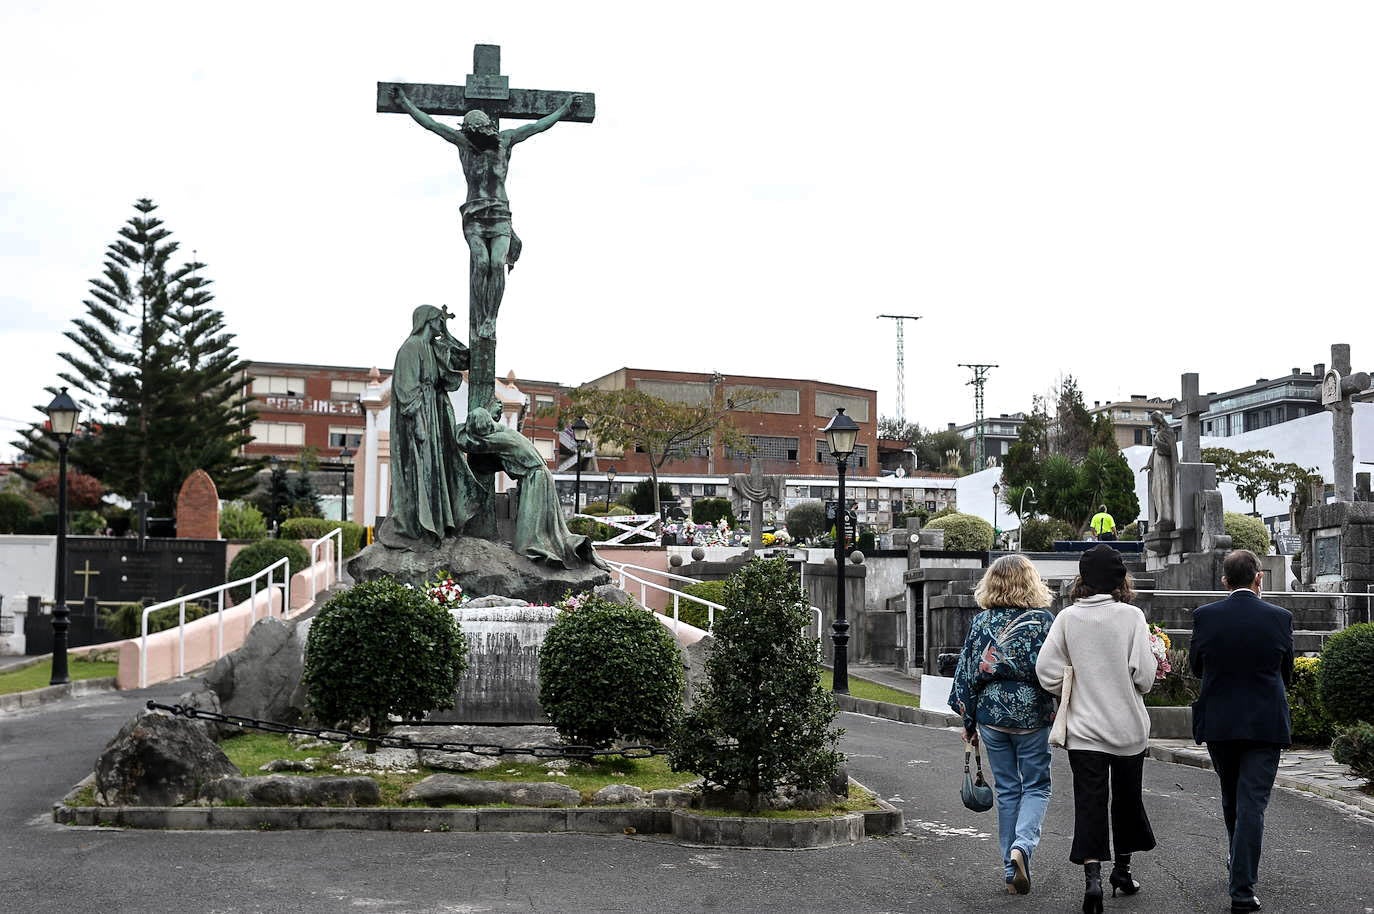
{"x": 15, "y": 701}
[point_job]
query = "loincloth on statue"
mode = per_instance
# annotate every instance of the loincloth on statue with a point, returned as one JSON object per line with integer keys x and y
{"x": 487, "y": 219}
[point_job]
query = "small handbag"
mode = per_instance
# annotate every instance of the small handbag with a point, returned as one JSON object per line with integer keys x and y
{"x": 1059, "y": 730}
{"x": 975, "y": 793}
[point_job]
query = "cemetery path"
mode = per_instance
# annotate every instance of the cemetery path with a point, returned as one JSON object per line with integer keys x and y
{"x": 1316, "y": 854}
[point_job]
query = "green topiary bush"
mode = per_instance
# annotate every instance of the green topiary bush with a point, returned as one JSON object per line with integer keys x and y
{"x": 1247, "y": 532}
{"x": 241, "y": 521}
{"x": 378, "y": 649}
{"x": 585, "y": 526}
{"x": 609, "y": 672}
{"x": 695, "y": 613}
{"x": 711, "y": 510}
{"x": 15, "y": 512}
{"x": 964, "y": 532}
{"x": 762, "y": 718}
{"x": 313, "y": 528}
{"x": 1346, "y": 688}
{"x": 1354, "y": 746}
{"x": 806, "y": 521}
{"x": 1311, "y": 724}
{"x": 260, "y": 555}
{"x": 1130, "y": 532}
{"x": 126, "y": 620}
{"x": 1039, "y": 533}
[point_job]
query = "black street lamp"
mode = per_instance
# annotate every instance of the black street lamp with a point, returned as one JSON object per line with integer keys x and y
{"x": 610, "y": 478}
{"x": 996, "y": 496}
{"x": 345, "y": 458}
{"x": 62, "y": 413}
{"x": 841, "y": 433}
{"x": 579, "y": 433}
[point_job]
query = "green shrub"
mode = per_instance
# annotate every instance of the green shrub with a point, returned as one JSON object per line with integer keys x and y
{"x": 762, "y": 718}
{"x": 946, "y": 511}
{"x": 1247, "y": 532}
{"x": 1039, "y": 533}
{"x": 378, "y": 649}
{"x": 595, "y": 508}
{"x": 711, "y": 510}
{"x": 126, "y": 620}
{"x": 313, "y": 528}
{"x": 585, "y": 526}
{"x": 1129, "y": 532}
{"x": 86, "y": 523}
{"x": 964, "y": 532}
{"x": 1311, "y": 725}
{"x": 641, "y": 497}
{"x": 806, "y": 521}
{"x": 241, "y": 521}
{"x": 1347, "y": 690}
{"x": 260, "y": 555}
{"x": 1354, "y": 746}
{"x": 15, "y": 512}
{"x": 867, "y": 542}
{"x": 695, "y": 613}
{"x": 609, "y": 672}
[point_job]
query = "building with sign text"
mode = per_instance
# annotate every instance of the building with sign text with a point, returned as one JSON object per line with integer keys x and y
{"x": 306, "y": 406}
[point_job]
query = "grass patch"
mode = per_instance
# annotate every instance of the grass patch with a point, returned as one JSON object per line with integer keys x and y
{"x": 859, "y": 800}
{"x": 588, "y": 777}
{"x": 250, "y": 751}
{"x": 39, "y": 675}
{"x": 872, "y": 691}
{"x": 83, "y": 797}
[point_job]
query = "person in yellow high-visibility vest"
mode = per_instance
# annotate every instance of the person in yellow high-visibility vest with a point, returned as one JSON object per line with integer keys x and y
{"x": 1103, "y": 524}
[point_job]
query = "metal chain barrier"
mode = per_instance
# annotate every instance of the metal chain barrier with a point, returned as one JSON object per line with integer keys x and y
{"x": 334, "y": 735}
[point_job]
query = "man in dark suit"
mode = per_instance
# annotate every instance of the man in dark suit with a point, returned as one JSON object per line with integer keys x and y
{"x": 1242, "y": 648}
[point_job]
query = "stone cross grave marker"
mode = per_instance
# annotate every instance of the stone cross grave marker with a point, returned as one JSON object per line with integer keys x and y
{"x": 1190, "y": 409}
{"x": 1338, "y": 386}
{"x": 141, "y": 506}
{"x": 755, "y": 488}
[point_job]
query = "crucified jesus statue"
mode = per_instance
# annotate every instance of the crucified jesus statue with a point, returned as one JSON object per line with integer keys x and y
{"x": 485, "y": 155}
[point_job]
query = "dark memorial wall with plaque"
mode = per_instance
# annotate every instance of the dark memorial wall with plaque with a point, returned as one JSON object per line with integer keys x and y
{"x": 116, "y": 570}
{"x": 1327, "y": 559}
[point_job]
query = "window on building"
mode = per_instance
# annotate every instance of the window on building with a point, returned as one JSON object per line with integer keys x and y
{"x": 278, "y": 386}
{"x": 857, "y": 459}
{"x": 544, "y": 446}
{"x": 543, "y": 405}
{"x": 282, "y": 433}
{"x": 1140, "y": 436}
{"x": 767, "y": 447}
{"x": 345, "y": 436}
{"x": 346, "y": 390}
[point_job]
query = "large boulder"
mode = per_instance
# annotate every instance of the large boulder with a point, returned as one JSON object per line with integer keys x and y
{"x": 262, "y": 679}
{"x": 295, "y": 790}
{"x": 443, "y": 789}
{"x": 159, "y": 760}
{"x": 482, "y": 567}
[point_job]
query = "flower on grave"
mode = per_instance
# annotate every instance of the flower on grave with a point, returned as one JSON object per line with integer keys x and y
{"x": 769, "y": 540}
{"x": 1159, "y": 646}
{"x": 444, "y": 591}
{"x": 572, "y": 602}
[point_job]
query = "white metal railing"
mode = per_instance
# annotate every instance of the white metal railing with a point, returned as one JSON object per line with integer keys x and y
{"x": 629, "y": 525}
{"x": 218, "y": 592}
{"x": 316, "y": 556}
{"x": 625, "y": 572}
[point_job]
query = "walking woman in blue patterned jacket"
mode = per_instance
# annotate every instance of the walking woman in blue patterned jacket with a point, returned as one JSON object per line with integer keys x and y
{"x": 1004, "y": 706}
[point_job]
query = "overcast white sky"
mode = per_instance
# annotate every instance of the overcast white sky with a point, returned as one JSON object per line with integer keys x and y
{"x": 1121, "y": 192}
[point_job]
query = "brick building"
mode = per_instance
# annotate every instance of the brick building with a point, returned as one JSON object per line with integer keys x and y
{"x": 1131, "y": 418}
{"x": 306, "y": 406}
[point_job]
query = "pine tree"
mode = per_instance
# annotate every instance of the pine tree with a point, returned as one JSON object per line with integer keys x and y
{"x": 156, "y": 374}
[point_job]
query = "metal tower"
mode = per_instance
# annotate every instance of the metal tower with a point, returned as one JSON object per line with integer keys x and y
{"x": 980, "y": 447}
{"x": 901, "y": 362}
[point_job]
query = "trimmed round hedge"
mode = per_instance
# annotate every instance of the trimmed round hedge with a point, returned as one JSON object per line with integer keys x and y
{"x": 964, "y": 532}
{"x": 1247, "y": 532}
{"x": 1311, "y": 724}
{"x": 381, "y": 648}
{"x": 1347, "y": 691}
{"x": 609, "y": 672}
{"x": 313, "y": 528}
{"x": 260, "y": 555}
{"x": 1039, "y": 533}
{"x": 696, "y": 614}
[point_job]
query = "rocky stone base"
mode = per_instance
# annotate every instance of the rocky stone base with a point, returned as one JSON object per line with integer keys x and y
{"x": 482, "y": 567}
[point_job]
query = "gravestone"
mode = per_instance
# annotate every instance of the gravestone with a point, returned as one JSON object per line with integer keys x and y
{"x": 115, "y": 570}
{"x": 755, "y": 488}
{"x": 198, "y": 508}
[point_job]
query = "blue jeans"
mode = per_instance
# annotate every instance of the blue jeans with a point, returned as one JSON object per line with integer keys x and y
{"x": 1020, "y": 765}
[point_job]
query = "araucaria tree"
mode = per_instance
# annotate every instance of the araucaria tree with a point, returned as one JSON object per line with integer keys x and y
{"x": 762, "y": 720}
{"x": 156, "y": 373}
{"x": 664, "y": 430}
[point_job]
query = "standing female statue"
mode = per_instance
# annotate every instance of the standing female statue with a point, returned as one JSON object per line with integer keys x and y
{"x": 1162, "y": 465}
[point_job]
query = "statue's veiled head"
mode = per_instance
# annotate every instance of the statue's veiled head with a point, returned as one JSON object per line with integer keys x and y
{"x": 425, "y": 315}
{"x": 480, "y": 422}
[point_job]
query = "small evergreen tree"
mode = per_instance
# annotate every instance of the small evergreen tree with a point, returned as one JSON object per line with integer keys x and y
{"x": 806, "y": 520}
{"x": 762, "y": 720}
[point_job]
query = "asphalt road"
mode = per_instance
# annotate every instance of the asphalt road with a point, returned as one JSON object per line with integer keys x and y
{"x": 1317, "y": 856}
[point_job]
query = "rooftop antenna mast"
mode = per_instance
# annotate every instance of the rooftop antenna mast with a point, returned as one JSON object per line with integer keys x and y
{"x": 901, "y": 362}
{"x": 980, "y": 444}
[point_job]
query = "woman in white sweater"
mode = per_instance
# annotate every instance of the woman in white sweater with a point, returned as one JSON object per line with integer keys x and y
{"x": 1105, "y": 642}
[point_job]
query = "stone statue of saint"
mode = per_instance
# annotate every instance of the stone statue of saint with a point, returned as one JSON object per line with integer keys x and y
{"x": 431, "y": 485}
{"x": 1162, "y": 466}
{"x": 485, "y": 156}
{"x": 540, "y": 531}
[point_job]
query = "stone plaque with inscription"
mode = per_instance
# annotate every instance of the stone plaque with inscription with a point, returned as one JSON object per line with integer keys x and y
{"x": 115, "y": 570}
{"x": 1326, "y": 555}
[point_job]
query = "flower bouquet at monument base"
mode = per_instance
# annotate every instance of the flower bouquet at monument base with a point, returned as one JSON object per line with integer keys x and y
{"x": 1159, "y": 646}
{"x": 445, "y": 591}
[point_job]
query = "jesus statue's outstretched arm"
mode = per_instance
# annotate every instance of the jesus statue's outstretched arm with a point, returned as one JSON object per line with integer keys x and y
{"x": 520, "y": 134}
{"x": 451, "y": 134}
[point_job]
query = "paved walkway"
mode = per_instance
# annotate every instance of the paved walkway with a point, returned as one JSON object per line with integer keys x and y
{"x": 1312, "y": 770}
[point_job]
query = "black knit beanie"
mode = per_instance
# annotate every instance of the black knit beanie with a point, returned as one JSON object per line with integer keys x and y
{"x": 1102, "y": 569}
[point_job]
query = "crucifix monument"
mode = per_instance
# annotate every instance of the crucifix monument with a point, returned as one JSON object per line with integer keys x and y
{"x": 1190, "y": 408}
{"x": 1338, "y": 386}
{"x": 484, "y": 151}
{"x": 755, "y": 488}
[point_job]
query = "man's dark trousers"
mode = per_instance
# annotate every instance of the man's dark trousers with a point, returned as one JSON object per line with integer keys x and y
{"x": 1246, "y": 770}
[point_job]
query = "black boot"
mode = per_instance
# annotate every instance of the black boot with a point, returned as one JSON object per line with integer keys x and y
{"x": 1092, "y": 888}
{"x": 1120, "y": 876}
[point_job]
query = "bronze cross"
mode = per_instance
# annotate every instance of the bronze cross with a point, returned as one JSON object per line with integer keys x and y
{"x": 85, "y": 574}
{"x": 141, "y": 506}
{"x": 486, "y": 89}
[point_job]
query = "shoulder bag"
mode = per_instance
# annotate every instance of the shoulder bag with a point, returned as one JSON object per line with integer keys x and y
{"x": 1059, "y": 730}
{"x": 975, "y": 793}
